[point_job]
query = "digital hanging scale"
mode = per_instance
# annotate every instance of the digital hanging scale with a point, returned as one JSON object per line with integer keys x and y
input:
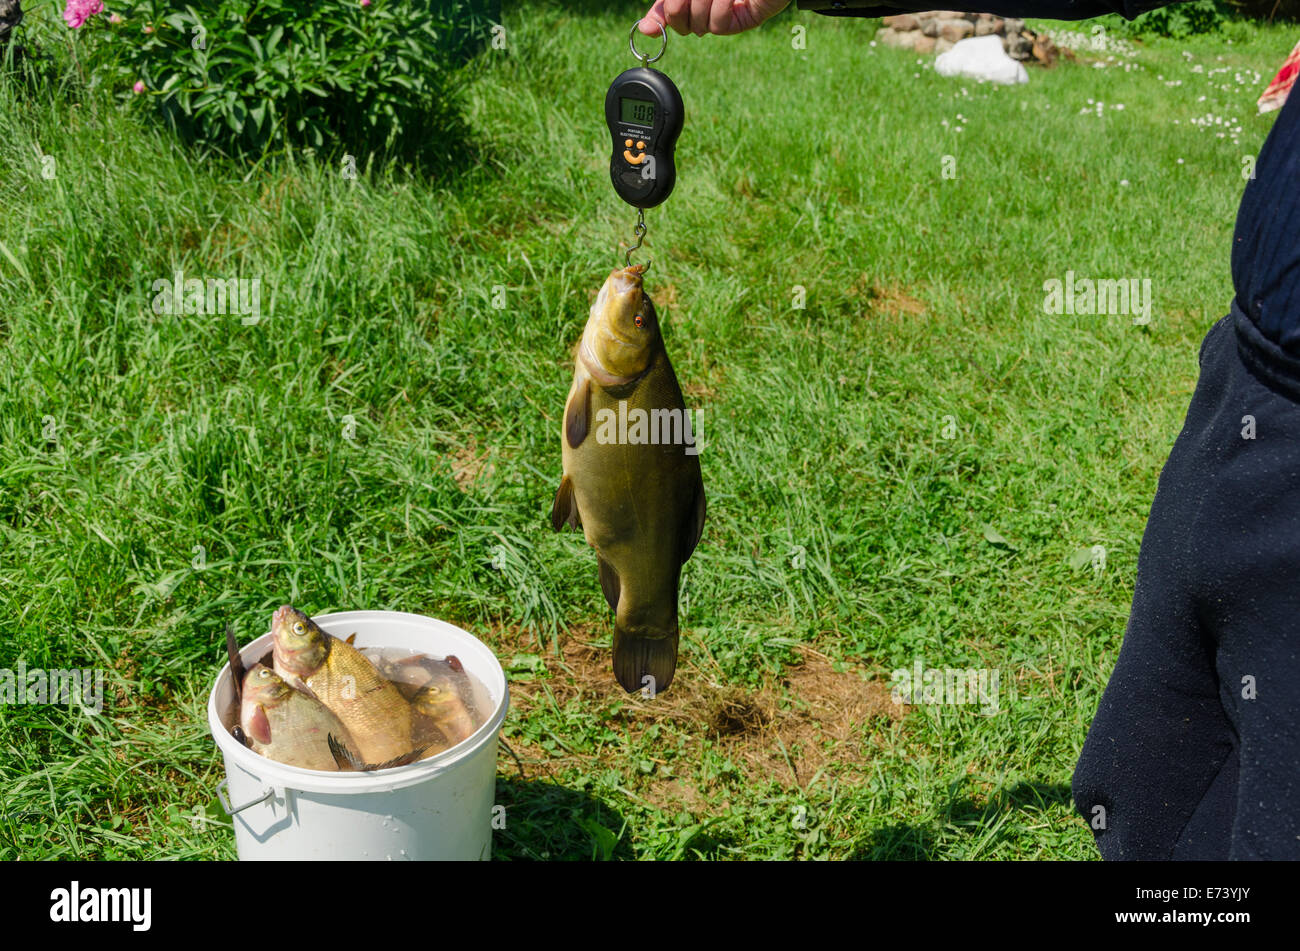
{"x": 644, "y": 112}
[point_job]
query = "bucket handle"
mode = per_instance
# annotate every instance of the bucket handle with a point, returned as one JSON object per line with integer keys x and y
{"x": 232, "y": 810}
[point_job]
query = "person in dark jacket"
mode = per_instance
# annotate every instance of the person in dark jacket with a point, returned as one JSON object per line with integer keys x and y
{"x": 1195, "y": 749}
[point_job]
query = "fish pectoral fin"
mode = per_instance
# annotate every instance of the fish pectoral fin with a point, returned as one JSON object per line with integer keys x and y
{"x": 694, "y": 524}
{"x": 609, "y": 582}
{"x": 577, "y": 410}
{"x": 564, "y": 510}
{"x": 259, "y": 727}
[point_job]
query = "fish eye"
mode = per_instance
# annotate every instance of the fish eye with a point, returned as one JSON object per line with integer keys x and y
{"x": 298, "y": 628}
{"x": 639, "y": 319}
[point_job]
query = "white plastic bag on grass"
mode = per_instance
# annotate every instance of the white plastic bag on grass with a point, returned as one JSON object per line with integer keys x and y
{"x": 981, "y": 57}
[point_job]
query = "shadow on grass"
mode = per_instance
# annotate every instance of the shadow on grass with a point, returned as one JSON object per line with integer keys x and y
{"x": 904, "y": 842}
{"x": 898, "y": 842}
{"x": 546, "y": 822}
{"x": 1039, "y": 796}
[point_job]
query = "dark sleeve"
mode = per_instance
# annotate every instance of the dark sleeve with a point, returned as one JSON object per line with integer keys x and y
{"x": 1046, "y": 9}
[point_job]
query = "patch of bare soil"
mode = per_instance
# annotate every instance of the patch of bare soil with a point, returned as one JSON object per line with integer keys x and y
{"x": 468, "y": 465}
{"x": 891, "y": 300}
{"x": 896, "y": 302}
{"x": 812, "y": 723}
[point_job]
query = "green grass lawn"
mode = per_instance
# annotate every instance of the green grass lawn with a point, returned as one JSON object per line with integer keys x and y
{"x": 902, "y": 469}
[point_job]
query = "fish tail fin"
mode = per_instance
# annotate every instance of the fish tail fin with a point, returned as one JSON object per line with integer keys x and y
{"x": 644, "y": 662}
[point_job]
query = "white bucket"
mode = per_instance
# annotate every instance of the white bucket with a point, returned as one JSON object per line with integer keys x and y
{"x": 437, "y": 808}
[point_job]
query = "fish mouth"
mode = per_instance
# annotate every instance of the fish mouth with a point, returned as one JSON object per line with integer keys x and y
{"x": 627, "y": 279}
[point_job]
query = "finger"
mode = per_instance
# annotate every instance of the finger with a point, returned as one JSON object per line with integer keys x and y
{"x": 677, "y": 14}
{"x": 700, "y": 10}
{"x": 723, "y": 17}
{"x": 654, "y": 19}
{"x": 748, "y": 14}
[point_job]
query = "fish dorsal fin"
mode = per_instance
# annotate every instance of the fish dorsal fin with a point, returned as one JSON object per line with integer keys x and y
{"x": 237, "y": 668}
{"x": 694, "y": 524}
{"x": 577, "y": 409}
{"x": 564, "y": 510}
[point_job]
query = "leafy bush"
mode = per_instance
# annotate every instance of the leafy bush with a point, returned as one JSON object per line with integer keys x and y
{"x": 248, "y": 76}
{"x": 1176, "y": 20}
{"x": 1268, "y": 10}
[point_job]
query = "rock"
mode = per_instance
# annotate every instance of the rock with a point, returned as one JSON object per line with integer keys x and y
{"x": 990, "y": 26}
{"x": 1014, "y": 25}
{"x": 924, "y": 44}
{"x": 954, "y": 30}
{"x": 904, "y": 41}
{"x": 943, "y": 46}
{"x": 902, "y": 23}
{"x": 981, "y": 58}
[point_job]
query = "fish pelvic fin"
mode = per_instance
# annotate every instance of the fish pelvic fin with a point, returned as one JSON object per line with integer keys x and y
{"x": 564, "y": 510}
{"x": 609, "y": 582}
{"x": 694, "y": 527}
{"x": 644, "y": 661}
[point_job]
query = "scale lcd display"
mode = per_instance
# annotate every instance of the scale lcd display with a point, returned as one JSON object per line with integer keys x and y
{"x": 637, "y": 111}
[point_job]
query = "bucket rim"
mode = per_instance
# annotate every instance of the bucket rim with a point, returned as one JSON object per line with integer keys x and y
{"x": 282, "y": 775}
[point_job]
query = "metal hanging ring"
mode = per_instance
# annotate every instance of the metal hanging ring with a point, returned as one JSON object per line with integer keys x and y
{"x": 647, "y": 60}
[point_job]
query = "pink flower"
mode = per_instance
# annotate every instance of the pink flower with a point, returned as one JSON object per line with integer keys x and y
{"x": 115, "y": 18}
{"x": 365, "y": 3}
{"x": 138, "y": 87}
{"x": 78, "y": 12}
{"x": 148, "y": 29}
